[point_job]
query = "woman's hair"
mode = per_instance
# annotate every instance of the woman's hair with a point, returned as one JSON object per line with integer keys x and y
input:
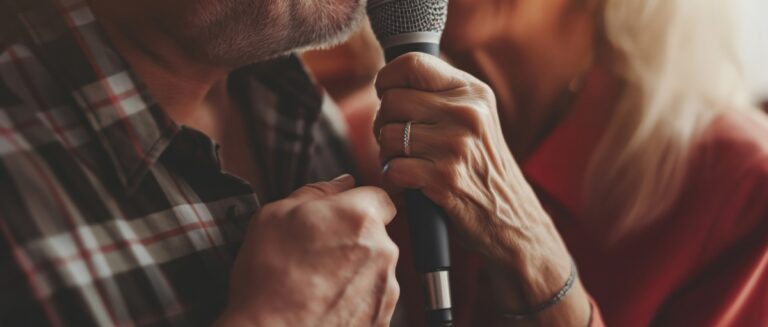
{"x": 681, "y": 68}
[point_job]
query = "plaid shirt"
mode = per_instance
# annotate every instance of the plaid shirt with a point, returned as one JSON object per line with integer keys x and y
{"x": 112, "y": 214}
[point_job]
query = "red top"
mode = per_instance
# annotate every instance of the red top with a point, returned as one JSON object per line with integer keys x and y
{"x": 704, "y": 264}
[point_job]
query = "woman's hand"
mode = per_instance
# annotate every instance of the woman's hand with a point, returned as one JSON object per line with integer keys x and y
{"x": 458, "y": 156}
{"x": 459, "y": 159}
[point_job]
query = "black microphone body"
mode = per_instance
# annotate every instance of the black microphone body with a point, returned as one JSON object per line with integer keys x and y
{"x": 429, "y": 242}
{"x": 404, "y": 26}
{"x": 399, "y": 50}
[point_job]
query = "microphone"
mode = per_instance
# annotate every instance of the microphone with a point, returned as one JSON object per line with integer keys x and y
{"x": 404, "y": 26}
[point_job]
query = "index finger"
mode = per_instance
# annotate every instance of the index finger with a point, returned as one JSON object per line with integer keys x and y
{"x": 322, "y": 189}
{"x": 368, "y": 200}
{"x": 419, "y": 71}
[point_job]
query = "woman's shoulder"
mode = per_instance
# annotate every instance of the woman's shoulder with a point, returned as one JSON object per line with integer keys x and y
{"x": 730, "y": 177}
{"x": 734, "y": 143}
{"x": 730, "y": 165}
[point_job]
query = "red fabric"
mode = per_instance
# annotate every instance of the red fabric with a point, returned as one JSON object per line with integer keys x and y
{"x": 704, "y": 264}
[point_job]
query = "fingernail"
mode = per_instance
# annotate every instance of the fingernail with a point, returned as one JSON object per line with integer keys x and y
{"x": 342, "y": 178}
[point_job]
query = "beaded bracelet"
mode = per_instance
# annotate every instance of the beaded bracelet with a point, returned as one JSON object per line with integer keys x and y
{"x": 551, "y": 302}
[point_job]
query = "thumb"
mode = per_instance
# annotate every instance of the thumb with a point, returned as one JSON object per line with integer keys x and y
{"x": 323, "y": 189}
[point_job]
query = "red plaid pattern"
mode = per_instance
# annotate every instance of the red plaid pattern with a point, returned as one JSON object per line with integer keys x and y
{"x": 110, "y": 213}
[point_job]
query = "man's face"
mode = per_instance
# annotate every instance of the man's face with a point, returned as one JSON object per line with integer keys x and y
{"x": 237, "y": 32}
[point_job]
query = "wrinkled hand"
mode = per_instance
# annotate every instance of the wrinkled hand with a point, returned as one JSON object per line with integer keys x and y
{"x": 320, "y": 257}
{"x": 460, "y": 160}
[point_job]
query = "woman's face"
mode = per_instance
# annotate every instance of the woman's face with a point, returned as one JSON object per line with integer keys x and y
{"x": 529, "y": 51}
{"x": 473, "y": 23}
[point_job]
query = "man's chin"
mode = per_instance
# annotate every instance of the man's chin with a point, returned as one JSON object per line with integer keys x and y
{"x": 324, "y": 41}
{"x": 314, "y": 24}
{"x": 342, "y": 26}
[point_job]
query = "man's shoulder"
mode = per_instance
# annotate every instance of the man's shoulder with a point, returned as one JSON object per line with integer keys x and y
{"x": 35, "y": 110}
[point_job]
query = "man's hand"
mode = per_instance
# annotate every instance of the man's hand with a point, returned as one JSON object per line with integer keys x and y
{"x": 320, "y": 257}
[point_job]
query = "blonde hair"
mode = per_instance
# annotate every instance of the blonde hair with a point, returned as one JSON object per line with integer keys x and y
{"x": 681, "y": 68}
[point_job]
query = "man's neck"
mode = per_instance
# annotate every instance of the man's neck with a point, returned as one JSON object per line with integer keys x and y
{"x": 179, "y": 82}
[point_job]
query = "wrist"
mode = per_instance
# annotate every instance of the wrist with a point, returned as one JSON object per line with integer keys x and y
{"x": 534, "y": 278}
{"x": 533, "y": 252}
{"x": 534, "y": 256}
{"x": 531, "y": 281}
{"x": 529, "y": 301}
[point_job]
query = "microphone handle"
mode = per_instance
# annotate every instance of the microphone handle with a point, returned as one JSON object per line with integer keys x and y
{"x": 429, "y": 242}
{"x": 429, "y": 231}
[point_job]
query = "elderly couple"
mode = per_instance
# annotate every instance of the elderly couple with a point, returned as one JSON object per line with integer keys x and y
{"x": 171, "y": 163}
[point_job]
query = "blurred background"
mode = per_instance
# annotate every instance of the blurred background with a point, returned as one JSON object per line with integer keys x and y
{"x": 754, "y": 43}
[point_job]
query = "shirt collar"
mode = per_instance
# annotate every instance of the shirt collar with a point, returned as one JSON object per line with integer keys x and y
{"x": 125, "y": 119}
{"x": 559, "y": 164}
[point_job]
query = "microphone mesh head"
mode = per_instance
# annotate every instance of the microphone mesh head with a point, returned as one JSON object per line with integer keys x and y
{"x": 396, "y": 17}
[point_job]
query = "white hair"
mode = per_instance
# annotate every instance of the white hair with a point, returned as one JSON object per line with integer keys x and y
{"x": 680, "y": 64}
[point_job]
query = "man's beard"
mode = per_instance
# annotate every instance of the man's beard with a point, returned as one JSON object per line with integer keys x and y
{"x": 249, "y": 31}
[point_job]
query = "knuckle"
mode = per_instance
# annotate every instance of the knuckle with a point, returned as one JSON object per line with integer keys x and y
{"x": 416, "y": 64}
{"x": 472, "y": 118}
{"x": 393, "y": 254}
{"x": 452, "y": 178}
{"x": 358, "y": 221}
{"x": 391, "y": 296}
{"x": 394, "y": 294}
{"x": 476, "y": 124}
{"x": 308, "y": 213}
{"x": 271, "y": 210}
{"x": 385, "y": 256}
{"x": 276, "y": 210}
{"x": 447, "y": 175}
{"x": 361, "y": 252}
{"x": 413, "y": 60}
{"x": 381, "y": 197}
{"x": 357, "y": 224}
{"x": 461, "y": 145}
{"x": 389, "y": 252}
{"x": 483, "y": 90}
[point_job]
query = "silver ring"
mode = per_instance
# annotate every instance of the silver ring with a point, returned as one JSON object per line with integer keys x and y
{"x": 407, "y": 139}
